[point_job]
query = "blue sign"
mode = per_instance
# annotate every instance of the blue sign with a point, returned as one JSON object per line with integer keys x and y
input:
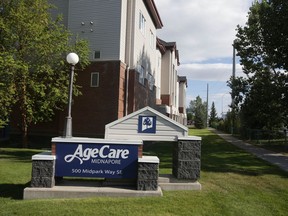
{"x": 147, "y": 124}
{"x": 96, "y": 160}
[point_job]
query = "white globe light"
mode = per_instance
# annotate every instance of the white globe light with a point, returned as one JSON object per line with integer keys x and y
{"x": 72, "y": 58}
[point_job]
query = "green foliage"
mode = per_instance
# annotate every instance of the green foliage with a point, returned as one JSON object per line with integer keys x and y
{"x": 261, "y": 44}
{"x": 213, "y": 119}
{"x": 36, "y": 75}
{"x": 7, "y": 90}
{"x": 189, "y": 116}
{"x": 261, "y": 108}
{"x": 198, "y": 110}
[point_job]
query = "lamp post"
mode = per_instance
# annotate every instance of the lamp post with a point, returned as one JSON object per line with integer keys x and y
{"x": 72, "y": 59}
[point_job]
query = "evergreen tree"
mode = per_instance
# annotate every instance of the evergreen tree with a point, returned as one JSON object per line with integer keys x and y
{"x": 213, "y": 116}
{"x": 199, "y": 111}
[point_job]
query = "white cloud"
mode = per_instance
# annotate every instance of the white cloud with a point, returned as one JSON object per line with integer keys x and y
{"x": 211, "y": 72}
{"x": 203, "y": 29}
{"x": 222, "y": 102}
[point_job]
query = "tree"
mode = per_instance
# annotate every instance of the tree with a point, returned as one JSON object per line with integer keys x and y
{"x": 198, "y": 109}
{"x": 191, "y": 110}
{"x": 261, "y": 108}
{"x": 6, "y": 89}
{"x": 213, "y": 116}
{"x": 36, "y": 75}
{"x": 263, "y": 48}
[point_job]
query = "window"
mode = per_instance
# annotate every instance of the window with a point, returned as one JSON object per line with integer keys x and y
{"x": 142, "y": 23}
{"x": 141, "y": 74}
{"x": 94, "y": 79}
{"x": 151, "y": 81}
{"x": 97, "y": 54}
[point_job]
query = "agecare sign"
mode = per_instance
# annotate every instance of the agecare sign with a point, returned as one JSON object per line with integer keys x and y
{"x": 103, "y": 152}
{"x": 96, "y": 160}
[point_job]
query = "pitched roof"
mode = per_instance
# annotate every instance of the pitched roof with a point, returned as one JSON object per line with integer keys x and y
{"x": 127, "y": 127}
{"x": 182, "y": 79}
{"x": 152, "y": 9}
{"x": 163, "y": 46}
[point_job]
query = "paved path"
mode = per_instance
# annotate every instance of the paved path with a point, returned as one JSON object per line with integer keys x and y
{"x": 277, "y": 159}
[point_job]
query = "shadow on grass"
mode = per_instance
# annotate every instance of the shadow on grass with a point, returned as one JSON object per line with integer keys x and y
{"x": 218, "y": 156}
{"x": 23, "y": 155}
{"x": 34, "y": 142}
{"x": 13, "y": 191}
{"x": 221, "y": 156}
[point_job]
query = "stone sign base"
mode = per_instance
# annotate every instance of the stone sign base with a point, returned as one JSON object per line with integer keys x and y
{"x": 170, "y": 183}
{"x": 84, "y": 189}
{"x": 43, "y": 169}
{"x": 146, "y": 180}
{"x": 148, "y": 172}
{"x": 187, "y": 159}
{"x": 58, "y": 192}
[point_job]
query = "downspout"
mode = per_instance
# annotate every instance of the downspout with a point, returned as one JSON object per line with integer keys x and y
{"x": 129, "y": 42}
{"x": 126, "y": 90}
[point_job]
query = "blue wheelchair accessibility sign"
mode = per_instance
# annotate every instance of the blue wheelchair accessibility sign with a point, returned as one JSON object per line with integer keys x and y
{"x": 147, "y": 124}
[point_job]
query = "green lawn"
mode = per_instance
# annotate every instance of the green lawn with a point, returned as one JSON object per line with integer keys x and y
{"x": 279, "y": 146}
{"x": 233, "y": 183}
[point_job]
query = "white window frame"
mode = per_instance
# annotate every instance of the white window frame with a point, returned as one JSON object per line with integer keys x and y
{"x": 92, "y": 81}
{"x": 141, "y": 74}
{"x": 142, "y": 23}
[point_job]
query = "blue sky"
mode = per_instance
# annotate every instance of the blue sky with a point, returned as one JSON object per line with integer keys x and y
{"x": 204, "y": 31}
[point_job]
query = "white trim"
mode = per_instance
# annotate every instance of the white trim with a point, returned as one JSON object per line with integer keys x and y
{"x": 44, "y": 156}
{"x": 145, "y": 109}
{"x": 187, "y": 138}
{"x": 149, "y": 159}
{"x": 96, "y": 141}
{"x": 171, "y": 138}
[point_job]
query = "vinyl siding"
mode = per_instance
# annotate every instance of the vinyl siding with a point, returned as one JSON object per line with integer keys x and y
{"x": 101, "y": 22}
{"x": 61, "y": 9}
{"x": 158, "y": 74}
{"x": 106, "y": 18}
{"x": 143, "y": 53}
{"x": 123, "y": 31}
{"x": 165, "y": 75}
{"x": 127, "y": 129}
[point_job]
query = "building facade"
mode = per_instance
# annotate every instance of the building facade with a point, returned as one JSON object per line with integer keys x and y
{"x": 130, "y": 67}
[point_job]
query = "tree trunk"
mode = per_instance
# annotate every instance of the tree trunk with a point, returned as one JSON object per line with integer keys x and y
{"x": 24, "y": 131}
{"x": 24, "y": 112}
{"x": 24, "y": 123}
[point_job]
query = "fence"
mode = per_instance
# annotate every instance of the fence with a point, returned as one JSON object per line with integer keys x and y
{"x": 256, "y": 134}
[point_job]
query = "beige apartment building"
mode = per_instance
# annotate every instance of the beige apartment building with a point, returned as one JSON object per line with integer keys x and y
{"x": 130, "y": 68}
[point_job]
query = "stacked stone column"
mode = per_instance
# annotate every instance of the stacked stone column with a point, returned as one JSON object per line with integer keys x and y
{"x": 43, "y": 169}
{"x": 148, "y": 172}
{"x": 187, "y": 158}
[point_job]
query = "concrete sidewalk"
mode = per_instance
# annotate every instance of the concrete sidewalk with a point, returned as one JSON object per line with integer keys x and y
{"x": 277, "y": 159}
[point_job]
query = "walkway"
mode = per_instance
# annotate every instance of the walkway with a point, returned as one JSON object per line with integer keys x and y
{"x": 277, "y": 159}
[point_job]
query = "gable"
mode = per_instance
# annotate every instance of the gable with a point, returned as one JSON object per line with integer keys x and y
{"x": 134, "y": 127}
